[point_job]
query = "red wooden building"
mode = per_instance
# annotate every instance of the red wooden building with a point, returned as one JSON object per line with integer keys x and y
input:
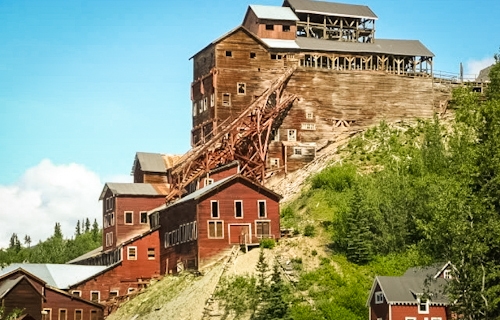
{"x": 417, "y": 295}
{"x": 201, "y": 227}
{"x": 20, "y": 289}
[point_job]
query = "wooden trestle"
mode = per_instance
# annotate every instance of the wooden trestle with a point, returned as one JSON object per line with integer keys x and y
{"x": 246, "y": 139}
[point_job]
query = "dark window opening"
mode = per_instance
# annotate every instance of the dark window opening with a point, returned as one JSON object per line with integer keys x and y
{"x": 215, "y": 209}
{"x": 286, "y": 28}
{"x": 144, "y": 217}
{"x": 252, "y": 55}
{"x": 242, "y": 88}
{"x": 229, "y": 53}
{"x": 238, "y": 209}
{"x": 275, "y": 56}
{"x": 262, "y": 209}
{"x": 128, "y": 217}
{"x": 269, "y": 26}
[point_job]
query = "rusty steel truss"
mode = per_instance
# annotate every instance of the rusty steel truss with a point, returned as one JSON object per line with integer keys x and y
{"x": 245, "y": 139}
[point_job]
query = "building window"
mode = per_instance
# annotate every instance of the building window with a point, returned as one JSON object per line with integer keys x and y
{"x": 269, "y": 26}
{"x": 95, "y": 296}
{"x": 423, "y": 306}
{"x": 275, "y": 56}
{"x": 275, "y": 135}
{"x": 252, "y": 55}
{"x": 379, "y": 297}
{"x": 214, "y": 204}
{"x": 242, "y": 88}
{"x": 410, "y": 318}
{"x": 129, "y": 217}
{"x": 226, "y": 99}
{"x": 63, "y": 314}
{"x": 238, "y": 209}
{"x": 93, "y": 314}
{"x": 292, "y": 135}
{"x": 200, "y": 110}
{"x": 151, "y": 253}
{"x": 113, "y": 294}
{"x": 262, "y": 208}
{"x": 78, "y": 314}
{"x": 194, "y": 108}
{"x": 229, "y": 53}
{"x": 286, "y": 28}
{"x": 130, "y": 290}
{"x": 205, "y": 104}
{"x": 274, "y": 162}
{"x": 308, "y": 126}
{"x": 297, "y": 151}
{"x": 109, "y": 239}
{"x": 207, "y": 182}
{"x": 212, "y": 100}
{"x": 47, "y": 314}
{"x": 436, "y": 318}
{"x": 309, "y": 115}
{"x": 216, "y": 229}
{"x": 144, "y": 217}
{"x": 132, "y": 253}
{"x": 76, "y": 293}
{"x": 262, "y": 228}
{"x": 447, "y": 274}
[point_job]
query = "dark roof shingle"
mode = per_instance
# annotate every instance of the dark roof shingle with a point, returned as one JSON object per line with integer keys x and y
{"x": 332, "y": 8}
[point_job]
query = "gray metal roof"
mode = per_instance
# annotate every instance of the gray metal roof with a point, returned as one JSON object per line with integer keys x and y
{"x": 61, "y": 276}
{"x": 129, "y": 189}
{"x": 484, "y": 75}
{"x": 387, "y": 46}
{"x": 87, "y": 255}
{"x": 151, "y": 162}
{"x": 273, "y": 13}
{"x": 406, "y": 289}
{"x": 332, "y": 9}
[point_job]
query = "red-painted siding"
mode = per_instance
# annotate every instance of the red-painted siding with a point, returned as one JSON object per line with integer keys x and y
{"x": 401, "y": 312}
{"x": 379, "y": 310}
{"x": 57, "y": 301}
{"x": 129, "y": 273}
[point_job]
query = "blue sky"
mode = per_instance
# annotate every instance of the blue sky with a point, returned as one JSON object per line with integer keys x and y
{"x": 86, "y": 84}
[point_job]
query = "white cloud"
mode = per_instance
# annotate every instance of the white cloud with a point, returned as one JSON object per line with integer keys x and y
{"x": 473, "y": 67}
{"x": 47, "y": 194}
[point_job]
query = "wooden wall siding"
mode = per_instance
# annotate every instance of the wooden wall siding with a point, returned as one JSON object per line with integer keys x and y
{"x": 202, "y": 91}
{"x": 379, "y": 310}
{"x": 23, "y": 296}
{"x": 124, "y": 232}
{"x": 148, "y": 177}
{"x": 203, "y": 62}
{"x": 258, "y": 27}
{"x": 56, "y": 300}
{"x": 211, "y": 249}
{"x": 170, "y": 220}
{"x": 401, "y": 312}
{"x": 129, "y": 273}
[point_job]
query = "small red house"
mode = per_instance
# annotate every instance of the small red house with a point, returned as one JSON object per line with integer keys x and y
{"x": 42, "y": 301}
{"x": 201, "y": 227}
{"x": 417, "y": 295}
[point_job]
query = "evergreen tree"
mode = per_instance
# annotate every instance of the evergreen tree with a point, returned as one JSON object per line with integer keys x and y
{"x": 262, "y": 274}
{"x": 27, "y": 241}
{"x": 276, "y": 305}
{"x": 78, "y": 229}
{"x": 87, "y": 225}
{"x": 493, "y": 90}
{"x": 14, "y": 243}
{"x": 358, "y": 232}
{"x": 57, "y": 231}
{"x": 95, "y": 231}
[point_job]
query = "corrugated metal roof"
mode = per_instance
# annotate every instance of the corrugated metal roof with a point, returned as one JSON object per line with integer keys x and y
{"x": 280, "y": 44}
{"x": 151, "y": 162}
{"x": 129, "y": 189}
{"x": 60, "y": 276}
{"x": 87, "y": 255}
{"x": 273, "y": 13}
{"x": 407, "y": 289}
{"x": 332, "y": 9}
{"x": 387, "y": 46}
{"x": 484, "y": 75}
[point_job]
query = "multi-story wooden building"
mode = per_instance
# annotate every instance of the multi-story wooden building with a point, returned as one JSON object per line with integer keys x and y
{"x": 344, "y": 77}
{"x": 420, "y": 294}
{"x": 41, "y": 291}
{"x": 204, "y": 225}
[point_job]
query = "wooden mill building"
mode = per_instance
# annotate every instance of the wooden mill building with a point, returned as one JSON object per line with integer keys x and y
{"x": 336, "y": 74}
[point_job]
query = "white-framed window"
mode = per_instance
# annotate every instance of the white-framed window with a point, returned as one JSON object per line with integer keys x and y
{"x": 207, "y": 181}
{"x": 226, "y": 99}
{"x": 112, "y": 218}
{"x": 274, "y": 162}
{"x": 309, "y": 115}
{"x": 241, "y": 88}
{"x": 205, "y": 103}
{"x": 263, "y": 228}
{"x": 130, "y": 290}
{"x": 151, "y": 254}
{"x": 238, "y": 209}
{"x": 215, "y": 229}
{"x": 410, "y": 318}
{"x": 144, "y": 217}
{"x": 212, "y": 100}
{"x": 63, "y": 314}
{"x": 114, "y": 293}
{"x": 195, "y": 231}
{"x": 47, "y": 314}
{"x": 297, "y": 151}
{"x": 379, "y": 297}
{"x": 93, "y": 314}
{"x": 308, "y": 126}
{"x": 95, "y": 296}
{"x": 261, "y": 207}
{"x": 166, "y": 241}
{"x": 128, "y": 217}
{"x": 109, "y": 239}
{"x": 423, "y": 306}
{"x": 214, "y": 205}
{"x": 76, "y": 293}
{"x": 292, "y": 135}
{"x": 200, "y": 110}
{"x": 78, "y": 314}
{"x": 275, "y": 135}
{"x": 195, "y": 107}
{"x": 447, "y": 274}
{"x": 131, "y": 253}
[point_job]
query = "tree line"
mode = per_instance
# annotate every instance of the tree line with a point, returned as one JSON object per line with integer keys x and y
{"x": 54, "y": 249}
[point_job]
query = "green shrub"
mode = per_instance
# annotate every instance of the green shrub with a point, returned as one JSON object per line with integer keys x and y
{"x": 267, "y": 243}
{"x": 296, "y": 232}
{"x": 338, "y": 178}
{"x": 314, "y": 253}
{"x": 309, "y": 231}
